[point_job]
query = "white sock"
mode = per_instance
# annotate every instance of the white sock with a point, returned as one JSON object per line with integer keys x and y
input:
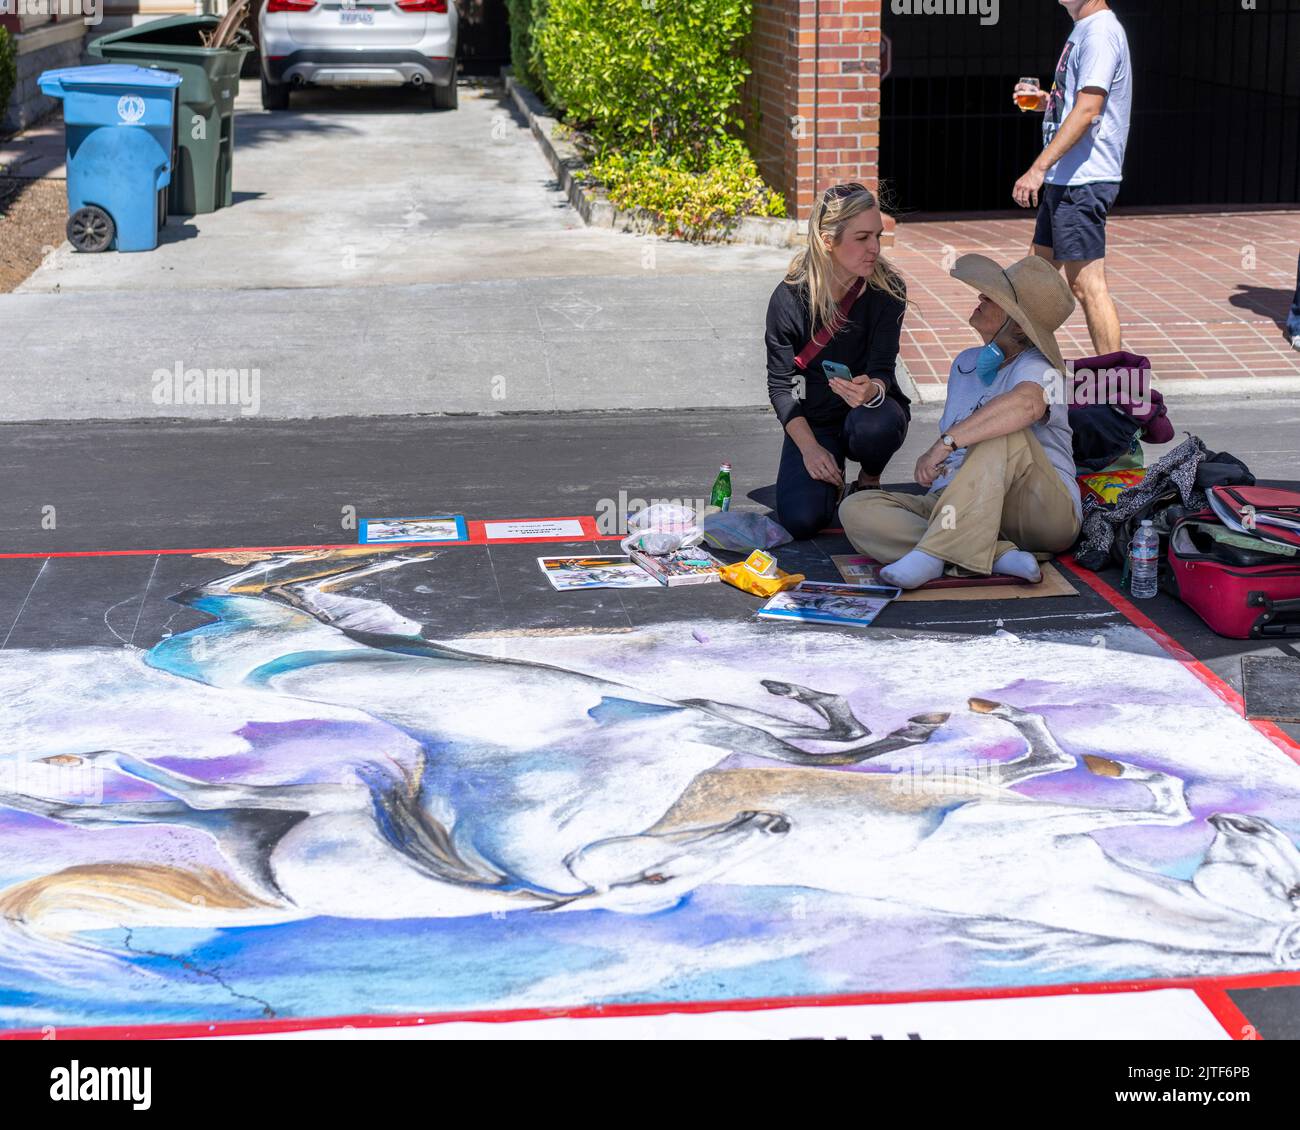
{"x": 1018, "y": 563}
{"x": 913, "y": 570}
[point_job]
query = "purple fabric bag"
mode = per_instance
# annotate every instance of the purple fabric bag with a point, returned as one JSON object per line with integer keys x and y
{"x": 1123, "y": 381}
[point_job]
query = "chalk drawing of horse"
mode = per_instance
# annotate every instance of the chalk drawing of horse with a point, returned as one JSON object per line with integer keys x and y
{"x": 544, "y": 788}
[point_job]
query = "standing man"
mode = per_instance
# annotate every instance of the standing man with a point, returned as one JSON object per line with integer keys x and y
{"x": 1076, "y": 179}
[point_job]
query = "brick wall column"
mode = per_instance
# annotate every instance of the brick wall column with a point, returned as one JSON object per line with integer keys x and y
{"x": 812, "y": 103}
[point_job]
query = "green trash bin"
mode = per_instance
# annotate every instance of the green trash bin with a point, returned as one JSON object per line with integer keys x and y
{"x": 205, "y": 126}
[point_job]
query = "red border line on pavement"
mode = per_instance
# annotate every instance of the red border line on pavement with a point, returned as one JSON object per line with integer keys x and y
{"x": 589, "y": 524}
{"x": 1212, "y": 992}
{"x": 1223, "y": 690}
{"x": 1228, "y": 1014}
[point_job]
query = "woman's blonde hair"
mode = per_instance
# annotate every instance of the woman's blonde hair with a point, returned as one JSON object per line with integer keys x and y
{"x": 837, "y": 206}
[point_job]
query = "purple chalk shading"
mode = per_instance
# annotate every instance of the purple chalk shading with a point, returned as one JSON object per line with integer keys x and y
{"x": 300, "y": 751}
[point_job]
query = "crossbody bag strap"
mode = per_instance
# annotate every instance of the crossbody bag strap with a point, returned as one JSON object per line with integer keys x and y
{"x": 822, "y": 337}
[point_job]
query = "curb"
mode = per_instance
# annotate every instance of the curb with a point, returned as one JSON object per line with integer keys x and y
{"x": 593, "y": 205}
{"x": 1248, "y": 388}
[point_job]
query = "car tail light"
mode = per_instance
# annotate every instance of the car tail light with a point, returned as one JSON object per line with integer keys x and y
{"x": 290, "y": 5}
{"x": 422, "y": 5}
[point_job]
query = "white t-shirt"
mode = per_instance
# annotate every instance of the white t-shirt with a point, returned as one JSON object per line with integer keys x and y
{"x": 966, "y": 393}
{"x": 1096, "y": 54}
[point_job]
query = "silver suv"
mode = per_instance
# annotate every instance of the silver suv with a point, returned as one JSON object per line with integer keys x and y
{"x": 358, "y": 43}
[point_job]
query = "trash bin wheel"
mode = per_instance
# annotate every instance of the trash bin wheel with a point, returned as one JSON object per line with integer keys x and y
{"x": 91, "y": 229}
{"x": 275, "y": 95}
{"x": 444, "y": 97}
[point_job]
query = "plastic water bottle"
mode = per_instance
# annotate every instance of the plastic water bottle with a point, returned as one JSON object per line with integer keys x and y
{"x": 720, "y": 495}
{"x": 1144, "y": 561}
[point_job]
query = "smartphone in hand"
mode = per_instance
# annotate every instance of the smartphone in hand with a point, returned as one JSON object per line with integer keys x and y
{"x": 834, "y": 369}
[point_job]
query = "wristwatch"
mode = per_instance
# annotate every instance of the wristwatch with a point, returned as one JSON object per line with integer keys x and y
{"x": 948, "y": 442}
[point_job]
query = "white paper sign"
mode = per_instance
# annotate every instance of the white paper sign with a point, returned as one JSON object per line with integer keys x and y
{"x": 545, "y": 528}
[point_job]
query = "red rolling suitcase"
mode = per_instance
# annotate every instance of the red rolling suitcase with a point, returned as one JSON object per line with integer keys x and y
{"x": 1241, "y": 590}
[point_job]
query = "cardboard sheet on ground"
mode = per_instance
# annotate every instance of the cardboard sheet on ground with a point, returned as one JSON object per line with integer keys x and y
{"x": 1053, "y": 583}
{"x": 296, "y": 787}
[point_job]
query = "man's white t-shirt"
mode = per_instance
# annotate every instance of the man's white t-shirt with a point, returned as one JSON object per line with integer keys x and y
{"x": 1096, "y": 54}
{"x": 966, "y": 393}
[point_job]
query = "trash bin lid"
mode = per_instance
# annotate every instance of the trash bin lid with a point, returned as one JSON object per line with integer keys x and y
{"x": 166, "y": 38}
{"x": 182, "y": 30}
{"x": 109, "y": 74}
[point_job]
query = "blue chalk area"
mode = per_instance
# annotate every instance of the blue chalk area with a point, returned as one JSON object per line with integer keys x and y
{"x": 611, "y": 711}
{"x": 334, "y": 967}
{"x": 329, "y": 966}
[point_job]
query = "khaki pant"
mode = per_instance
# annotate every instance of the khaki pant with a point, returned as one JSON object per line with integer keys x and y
{"x": 1006, "y": 495}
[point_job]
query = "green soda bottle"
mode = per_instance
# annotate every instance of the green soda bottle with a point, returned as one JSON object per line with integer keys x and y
{"x": 720, "y": 496}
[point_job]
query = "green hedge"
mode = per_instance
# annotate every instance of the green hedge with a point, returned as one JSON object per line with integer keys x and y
{"x": 8, "y": 70}
{"x": 524, "y": 16}
{"x": 653, "y": 86}
{"x": 662, "y": 75}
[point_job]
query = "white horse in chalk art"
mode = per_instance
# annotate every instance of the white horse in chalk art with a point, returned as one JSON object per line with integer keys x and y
{"x": 543, "y": 788}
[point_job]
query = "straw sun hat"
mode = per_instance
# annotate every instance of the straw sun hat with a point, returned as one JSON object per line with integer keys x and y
{"x": 1032, "y": 291}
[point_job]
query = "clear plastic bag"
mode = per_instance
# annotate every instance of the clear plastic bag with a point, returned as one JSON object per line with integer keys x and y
{"x": 662, "y": 528}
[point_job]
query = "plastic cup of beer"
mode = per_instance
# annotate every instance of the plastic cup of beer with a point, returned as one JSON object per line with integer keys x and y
{"x": 1028, "y": 99}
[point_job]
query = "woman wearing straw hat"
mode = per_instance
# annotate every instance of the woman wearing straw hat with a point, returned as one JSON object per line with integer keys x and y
{"x": 1001, "y": 474}
{"x": 832, "y": 336}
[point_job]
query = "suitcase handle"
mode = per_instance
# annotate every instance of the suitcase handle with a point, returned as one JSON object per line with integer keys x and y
{"x": 1266, "y": 624}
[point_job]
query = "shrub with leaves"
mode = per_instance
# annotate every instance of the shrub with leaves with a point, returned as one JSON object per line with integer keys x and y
{"x": 519, "y": 15}
{"x": 648, "y": 75}
{"x": 8, "y": 70}
{"x": 524, "y": 57}
{"x": 652, "y": 89}
{"x": 687, "y": 201}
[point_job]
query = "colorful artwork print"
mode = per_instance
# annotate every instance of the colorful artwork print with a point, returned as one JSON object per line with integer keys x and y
{"x": 312, "y": 806}
{"x": 819, "y": 602}
{"x": 566, "y": 573}
{"x": 441, "y": 528}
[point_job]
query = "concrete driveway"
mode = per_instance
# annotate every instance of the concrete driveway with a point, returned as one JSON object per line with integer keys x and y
{"x": 382, "y": 258}
{"x": 373, "y": 188}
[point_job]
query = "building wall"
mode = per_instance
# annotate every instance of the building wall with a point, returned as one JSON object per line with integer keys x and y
{"x": 44, "y": 47}
{"x": 812, "y": 100}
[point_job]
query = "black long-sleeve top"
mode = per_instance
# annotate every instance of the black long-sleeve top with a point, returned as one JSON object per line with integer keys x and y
{"x": 867, "y": 343}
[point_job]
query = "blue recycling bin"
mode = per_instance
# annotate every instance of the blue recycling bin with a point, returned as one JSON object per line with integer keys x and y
{"x": 120, "y": 133}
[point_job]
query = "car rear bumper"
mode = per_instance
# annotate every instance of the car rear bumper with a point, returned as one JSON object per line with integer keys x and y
{"x": 386, "y": 67}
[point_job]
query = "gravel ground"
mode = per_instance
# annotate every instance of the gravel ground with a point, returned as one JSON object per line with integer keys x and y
{"x": 32, "y": 217}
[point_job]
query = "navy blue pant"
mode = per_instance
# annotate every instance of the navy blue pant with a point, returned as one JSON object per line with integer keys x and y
{"x": 869, "y": 436}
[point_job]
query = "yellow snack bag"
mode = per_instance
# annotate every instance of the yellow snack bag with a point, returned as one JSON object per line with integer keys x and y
{"x": 745, "y": 578}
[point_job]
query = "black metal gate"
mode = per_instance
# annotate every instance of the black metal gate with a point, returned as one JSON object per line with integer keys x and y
{"x": 484, "y": 36}
{"x": 1216, "y": 113}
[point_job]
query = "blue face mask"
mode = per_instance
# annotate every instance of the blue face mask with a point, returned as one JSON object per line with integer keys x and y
{"x": 990, "y": 359}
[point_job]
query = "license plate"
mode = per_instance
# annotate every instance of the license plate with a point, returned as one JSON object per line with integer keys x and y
{"x": 356, "y": 16}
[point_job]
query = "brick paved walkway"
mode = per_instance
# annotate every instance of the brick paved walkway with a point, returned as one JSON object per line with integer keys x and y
{"x": 1204, "y": 296}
